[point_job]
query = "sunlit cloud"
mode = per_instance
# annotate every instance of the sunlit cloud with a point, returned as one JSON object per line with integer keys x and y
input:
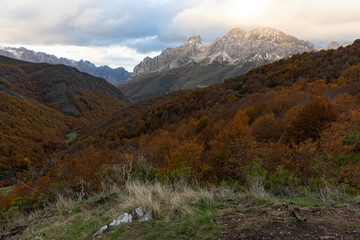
{"x": 98, "y": 30}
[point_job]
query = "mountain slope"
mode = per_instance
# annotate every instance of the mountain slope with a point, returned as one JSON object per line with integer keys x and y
{"x": 192, "y": 75}
{"x": 29, "y": 133}
{"x": 58, "y": 86}
{"x": 40, "y": 104}
{"x": 323, "y": 65}
{"x": 218, "y": 129}
{"x": 195, "y": 64}
{"x": 113, "y": 76}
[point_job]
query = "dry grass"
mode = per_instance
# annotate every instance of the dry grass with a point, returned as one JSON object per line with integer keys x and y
{"x": 64, "y": 205}
{"x": 256, "y": 187}
{"x": 162, "y": 198}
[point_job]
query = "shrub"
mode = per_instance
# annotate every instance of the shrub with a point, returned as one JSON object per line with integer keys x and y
{"x": 311, "y": 120}
{"x": 255, "y": 176}
{"x": 182, "y": 174}
{"x": 26, "y": 204}
{"x": 147, "y": 173}
{"x": 266, "y": 127}
{"x": 202, "y": 123}
{"x": 283, "y": 182}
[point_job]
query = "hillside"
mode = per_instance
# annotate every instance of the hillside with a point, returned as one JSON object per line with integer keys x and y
{"x": 325, "y": 65}
{"x": 60, "y": 87}
{"x": 193, "y": 75}
{"x": 194, "y": 64}
{"x": 284, "y": 152}
{"x": 217, "y": 129}
{"x": 111, "y": 75}
{"x": 40, "y": 105}
{"x": 30, "y": 133}
{"x": 192, "y": 213}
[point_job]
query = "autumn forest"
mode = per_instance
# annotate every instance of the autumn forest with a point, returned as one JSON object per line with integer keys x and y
{"x": 301, "y": 114}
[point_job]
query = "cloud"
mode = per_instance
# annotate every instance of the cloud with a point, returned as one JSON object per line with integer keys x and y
{"x": 145, "y": 26}
{"x": 83, "y": 22}
{"x": 314, "y": 20}
{"x": 113, "y": 56}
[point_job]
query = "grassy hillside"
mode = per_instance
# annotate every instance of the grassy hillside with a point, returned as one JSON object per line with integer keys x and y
{"x": 189, "y": 212}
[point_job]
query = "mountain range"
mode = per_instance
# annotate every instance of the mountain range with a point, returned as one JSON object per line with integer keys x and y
{"x": 194, "y": 64}
{"x": 111, "y": 75}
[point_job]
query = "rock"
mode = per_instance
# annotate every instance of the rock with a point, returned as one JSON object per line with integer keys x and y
{"x": 147, "y": 217}
{"x": 125, "y": 218}
{"x": 139, "y": 212}
{"x": 122, "y": 219}
{"x": 101, "y": 231}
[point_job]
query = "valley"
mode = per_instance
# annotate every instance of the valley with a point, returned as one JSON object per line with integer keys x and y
{"x": 255, "y": 135}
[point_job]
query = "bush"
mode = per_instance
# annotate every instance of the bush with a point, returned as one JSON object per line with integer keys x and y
{"x": 283, "y": 182}
{"x": 26, "y": 204}
{"x": 148, "y": 173}
{"x": 255, "y": 176}
{"x": 311, "y": 120}
{"x": 182, "y": 174}
{"x": 202, "y": 123}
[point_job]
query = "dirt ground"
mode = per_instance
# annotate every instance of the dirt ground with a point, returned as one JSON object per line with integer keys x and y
{"x": 287, "y": 221}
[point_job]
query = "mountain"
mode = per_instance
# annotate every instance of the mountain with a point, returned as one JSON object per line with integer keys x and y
{"x": 286, "y": 113}
{"x": 333, "y": 45}
{"x": 58, "y": 86}
{"x": 40, "y": 104}
{"x": 30, "y": 133}
{"x": 323, "y": 65}
{"x": 113, "y": 76}
{"x": 194, "y": 64}
{"x": 294, "y": 122}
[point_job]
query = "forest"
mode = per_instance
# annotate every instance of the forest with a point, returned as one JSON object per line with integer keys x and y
{"x": 300, "y": 114}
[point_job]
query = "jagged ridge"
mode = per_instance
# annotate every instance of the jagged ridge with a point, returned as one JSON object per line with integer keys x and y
{"x": 235, "y": 47}
{"x": 113, "y": 76}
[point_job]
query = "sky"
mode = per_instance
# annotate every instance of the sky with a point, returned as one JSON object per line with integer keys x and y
{"x": 123, "y": 32}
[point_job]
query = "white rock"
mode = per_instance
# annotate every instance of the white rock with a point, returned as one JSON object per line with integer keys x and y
{"x": 101, "y": 231}
{"x": 122, "y": 219}
{"x": 147, "y": 217}
{"x": 139, "y": 212}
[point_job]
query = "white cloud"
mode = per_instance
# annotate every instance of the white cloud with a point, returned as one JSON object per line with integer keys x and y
{"x": 92, "y": 29}
{"x": 114, "y": 56}
{"x": 316, "y": 20}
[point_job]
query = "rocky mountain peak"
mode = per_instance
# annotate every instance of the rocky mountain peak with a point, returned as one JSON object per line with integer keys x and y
{"x": 193, "y": 40}
{"x": 332, "y": 45}
{"x": 267, "y": 31}
{"x": 267, "y": 34}
{"x": 235, "y": 32}
{"x": 259, "y": 45}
